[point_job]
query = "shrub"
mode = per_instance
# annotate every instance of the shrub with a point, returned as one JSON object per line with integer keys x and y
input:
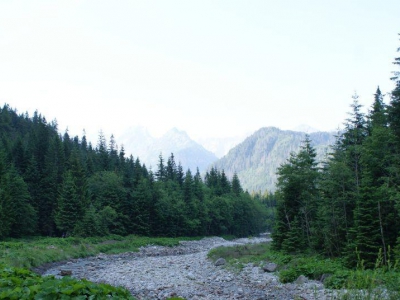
{"x": 22, "y": 284}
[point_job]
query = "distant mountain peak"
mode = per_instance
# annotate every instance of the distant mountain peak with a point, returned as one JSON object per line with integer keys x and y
{"x": 179, "y": 138}
{"x": 186, "y": 151}
{"x": 305, "y": 128}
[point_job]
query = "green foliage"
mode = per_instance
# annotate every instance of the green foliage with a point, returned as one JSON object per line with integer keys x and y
{"x": 290, "y": 267}
{"x": 243, "y": 254}
{"x": 18, "y": 216}
{"x": 298, "y": 196}
{"x": 68, "y": 213}
{"x": 18, "y": 283}
{"x": 350, "y": 207}
{"x": 338, "y": 280}
{"x": 56, "y": 185}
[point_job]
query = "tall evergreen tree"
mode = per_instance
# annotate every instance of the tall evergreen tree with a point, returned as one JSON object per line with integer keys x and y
{"x": 236, "y": 187}
{"x": 69, "y": 206}
{"x": 161, "y": 173}
{"x": 297, "y": 200}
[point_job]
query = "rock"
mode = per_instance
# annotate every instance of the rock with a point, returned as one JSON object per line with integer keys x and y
{"x": 270, "y": 267}
{"x": 220, "y": 262}
{"x": 65, "y": 272}
{"x": 101, "y": 256}
{"x": 191, "y": 276}
{"x": 301, "y": 279}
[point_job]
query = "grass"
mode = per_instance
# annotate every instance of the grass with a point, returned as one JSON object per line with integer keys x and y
{"x": 18, "y": 255}
{"x": 361, "y": 283}
{"x": 36, "y": 251}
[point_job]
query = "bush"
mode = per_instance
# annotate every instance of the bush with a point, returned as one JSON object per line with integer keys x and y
{"x": 338, "y": 280}
{"x": 288, "y": 275}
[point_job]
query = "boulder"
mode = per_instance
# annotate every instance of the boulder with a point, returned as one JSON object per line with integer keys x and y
{"x": 191, "y": 276}
{"x": 301, "y": 279}
{"x": 65, "y": 272}
{"x": 220, "y": 261}
{"x": 270, "y": 267}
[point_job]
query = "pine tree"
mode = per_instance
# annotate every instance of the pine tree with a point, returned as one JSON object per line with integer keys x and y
{"x": 224, "y": 183}
{"x": 394, "y": 109}
{"x": 50, "y": 185}
{"x": 298, "y": 195}
{"x": 236, "y": 186}
{"x": 337, "y": 206}
{"x": 179, "y": 175}
{"x": 69, "y": 206}
{"x": 113, "y": 154}
{"x": 161, "y": 173}
{"x": 171, "y": 168}
{"x": 103, "y": 163}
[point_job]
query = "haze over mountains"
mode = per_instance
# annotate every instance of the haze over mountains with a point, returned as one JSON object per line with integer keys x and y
{"x": 254, "y": 158}
{"x": 138, "y": 142}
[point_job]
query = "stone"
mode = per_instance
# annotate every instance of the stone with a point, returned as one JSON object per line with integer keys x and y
{"x": 301, "y": 279}
{"x": 65, "y": 272}
{"x": 101, "y": 256}
{"x": 190, "y": 276}
{"x": 220, "y": 261}
{"x": 270, "y": 267}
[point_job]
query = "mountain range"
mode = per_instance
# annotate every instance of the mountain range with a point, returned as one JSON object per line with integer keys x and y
{"x": 255, "y": 159}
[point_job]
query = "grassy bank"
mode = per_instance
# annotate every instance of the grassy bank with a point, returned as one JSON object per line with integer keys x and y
{"x": 360, "y": 283}
{"x": 33, "y": 252}
{"x": 19, "y": 255}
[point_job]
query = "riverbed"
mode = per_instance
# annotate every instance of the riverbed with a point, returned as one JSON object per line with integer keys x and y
{"x": 157, "y": 272}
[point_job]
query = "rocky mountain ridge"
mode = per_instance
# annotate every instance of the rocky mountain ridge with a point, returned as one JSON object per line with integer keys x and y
{"x": 258, "y": 157}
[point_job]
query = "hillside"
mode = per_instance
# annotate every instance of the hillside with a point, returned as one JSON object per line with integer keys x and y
{"x": 257, "y": 158}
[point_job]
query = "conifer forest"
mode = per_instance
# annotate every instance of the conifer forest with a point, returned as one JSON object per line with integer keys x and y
{"x": 349, "y": 204}
{"x": 57, "y": 185}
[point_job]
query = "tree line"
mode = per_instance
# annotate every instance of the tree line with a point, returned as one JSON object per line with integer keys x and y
{"x": 55, "y": 185}
{"x": 348, "y": 205}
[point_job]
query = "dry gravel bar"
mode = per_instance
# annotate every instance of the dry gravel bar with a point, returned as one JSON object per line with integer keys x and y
{"x": 157, "y": 272}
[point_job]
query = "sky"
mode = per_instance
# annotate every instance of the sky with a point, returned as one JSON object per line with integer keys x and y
{"x": 212, "y": 68}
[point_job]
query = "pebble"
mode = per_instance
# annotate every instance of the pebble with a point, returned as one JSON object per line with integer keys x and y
{"x": 157, "y": 272}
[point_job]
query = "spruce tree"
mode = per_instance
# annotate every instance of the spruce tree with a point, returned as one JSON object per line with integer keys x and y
{"x": 236, "y": 187}
{"x": 161, "y": 173}
{"x": 69, "y": 206}
{"x": 297, "y": 199}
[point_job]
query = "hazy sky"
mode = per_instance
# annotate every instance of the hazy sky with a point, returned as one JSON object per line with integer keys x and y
{"x": 212, "y": 68}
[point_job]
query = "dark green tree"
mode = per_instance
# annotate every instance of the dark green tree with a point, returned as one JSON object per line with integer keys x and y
{"x": 69, "y": 206}
{"x": 236, "y": 187}
{"x": 298, "y": 196}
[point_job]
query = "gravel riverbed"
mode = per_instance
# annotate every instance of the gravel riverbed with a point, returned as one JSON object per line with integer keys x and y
{"x": 157, "y": 272}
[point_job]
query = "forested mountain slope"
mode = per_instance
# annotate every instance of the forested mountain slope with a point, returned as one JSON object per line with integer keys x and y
{"x": 257, "y": 158}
